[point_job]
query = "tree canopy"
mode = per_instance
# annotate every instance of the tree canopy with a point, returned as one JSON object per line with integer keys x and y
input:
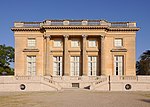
{"x": 143, "y": 65}
{"x": 6, "y": 58}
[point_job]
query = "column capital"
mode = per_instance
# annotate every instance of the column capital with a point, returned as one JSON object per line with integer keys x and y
{"x": 102, "y": 36}
{"x": 66, "y": 36}
{"x": 84, "y": 36}
{"x": 47, "y": 36}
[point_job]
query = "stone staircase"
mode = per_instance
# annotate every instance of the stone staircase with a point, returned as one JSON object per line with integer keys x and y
{"x": 50, "y": 82}
{"x": 80, "y": 82}
{"x": 67, "y": 82}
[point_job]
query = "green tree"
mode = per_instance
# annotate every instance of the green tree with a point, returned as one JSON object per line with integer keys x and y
{"x": 143, "y": 65}
{"x": 6, "y": 58}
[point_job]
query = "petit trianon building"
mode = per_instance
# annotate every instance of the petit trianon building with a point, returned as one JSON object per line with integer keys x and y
{"x": 75, "y": 48}
{"x": 87, "y": 54}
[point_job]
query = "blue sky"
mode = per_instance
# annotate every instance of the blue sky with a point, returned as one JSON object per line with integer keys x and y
{"x": 111, "y": 10}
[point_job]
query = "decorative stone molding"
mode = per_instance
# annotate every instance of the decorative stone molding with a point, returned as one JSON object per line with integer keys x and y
{"x": 18, "y": 24}
{"x": 123, "y": 29}
{"x": 74, "y": 27}
{"x": 104, "y": 23}
{"x": 84, "y": 22}
{"x": 119, "y": 50}
{"x": 74, "y": 50}
{"x": 30, "y": 50}
{"x": 47, "y": 22}
{"x": 92, "y": 50}
{"x": 26, "y": 29}
{"x": 65, "y": 22}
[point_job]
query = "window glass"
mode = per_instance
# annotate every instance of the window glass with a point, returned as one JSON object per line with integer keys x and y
{"x": 31, "y": 65}
{"x": 118, "y": 43}
{"x": 92, "y": 43}
{"x": 57, "y": 43}
{"x": 75, "y": 43}
{"x": 92, "y": 66}
{"x": 118, "y": 65}
{"x": 31, "y": 42}
{"x": 75, "y": 67}
{"x": 57, "y": 66}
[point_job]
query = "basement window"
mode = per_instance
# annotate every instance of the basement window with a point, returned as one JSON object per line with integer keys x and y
{"x": 75, "y": 85}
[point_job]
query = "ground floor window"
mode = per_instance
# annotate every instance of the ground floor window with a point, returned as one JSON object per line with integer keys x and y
{"x": 31, "y": 65}
{"x": 92, "y": 66}
{"x": 118, "y": 65}
{"x": 75, "y": 66}
{"x": 57, "y": 66}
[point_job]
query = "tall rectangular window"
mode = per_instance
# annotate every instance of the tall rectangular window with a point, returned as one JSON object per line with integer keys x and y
{"x": 92, "y": 66}
{"x": 75, "y": 66}
{"x": 57, "y": 43}
{"x": 118, "y": 65}
{"x": 118, "y": 42}
{"x": 31, "y": 42}
{"x": 31, "y": 65}
{"x": 75, "y": 43}
{"x": 57, "y": 66}
{"x": 92, "y": 43}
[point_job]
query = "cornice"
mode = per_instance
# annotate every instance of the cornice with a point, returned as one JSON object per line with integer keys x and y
{"x": 26, "y": 29}
{"x": 123, "y": 29}
{"x": 107, "y": 28}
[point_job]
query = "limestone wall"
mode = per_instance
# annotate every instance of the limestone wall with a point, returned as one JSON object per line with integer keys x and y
{"x": 105, "y": 83}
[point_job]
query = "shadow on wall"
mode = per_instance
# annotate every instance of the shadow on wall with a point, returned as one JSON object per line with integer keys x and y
{"x": 145, "y": 100}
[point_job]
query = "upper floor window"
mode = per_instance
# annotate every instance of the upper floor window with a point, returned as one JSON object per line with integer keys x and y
{"x": 31, "y": 42}
{"x": 75, "y": 43}
{"x": 92, "y": 43}
{"x": 118, "y": 42}
{"x": 57, "y": 43}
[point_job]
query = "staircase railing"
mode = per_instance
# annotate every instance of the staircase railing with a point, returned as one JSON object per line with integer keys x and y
{"x": 51, "y": 81}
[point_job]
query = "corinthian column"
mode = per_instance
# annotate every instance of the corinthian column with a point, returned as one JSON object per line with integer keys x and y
{"x": 84, "y": 55}
{"x": 66, "y": 55}
{"x": 102, "y": 55}
{"x": 47, "y": 55}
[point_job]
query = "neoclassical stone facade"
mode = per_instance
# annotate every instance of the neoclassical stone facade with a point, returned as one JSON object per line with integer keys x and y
{"x": 75, "y": 48}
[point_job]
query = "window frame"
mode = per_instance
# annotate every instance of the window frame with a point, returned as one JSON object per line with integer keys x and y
{"x": 59, "y": 65}
{"x": 119, "y": 64}
{"x": 75, "y": 71}
{"x": 92, "y": 64}
{"x": 31, "y": 64}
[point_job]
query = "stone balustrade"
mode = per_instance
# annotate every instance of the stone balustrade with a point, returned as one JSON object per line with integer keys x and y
{"x": 75, "y": 23}
{"x": 123, "y": 78}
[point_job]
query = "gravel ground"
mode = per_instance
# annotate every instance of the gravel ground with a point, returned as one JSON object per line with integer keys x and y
{"x": 75, "y": 98}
